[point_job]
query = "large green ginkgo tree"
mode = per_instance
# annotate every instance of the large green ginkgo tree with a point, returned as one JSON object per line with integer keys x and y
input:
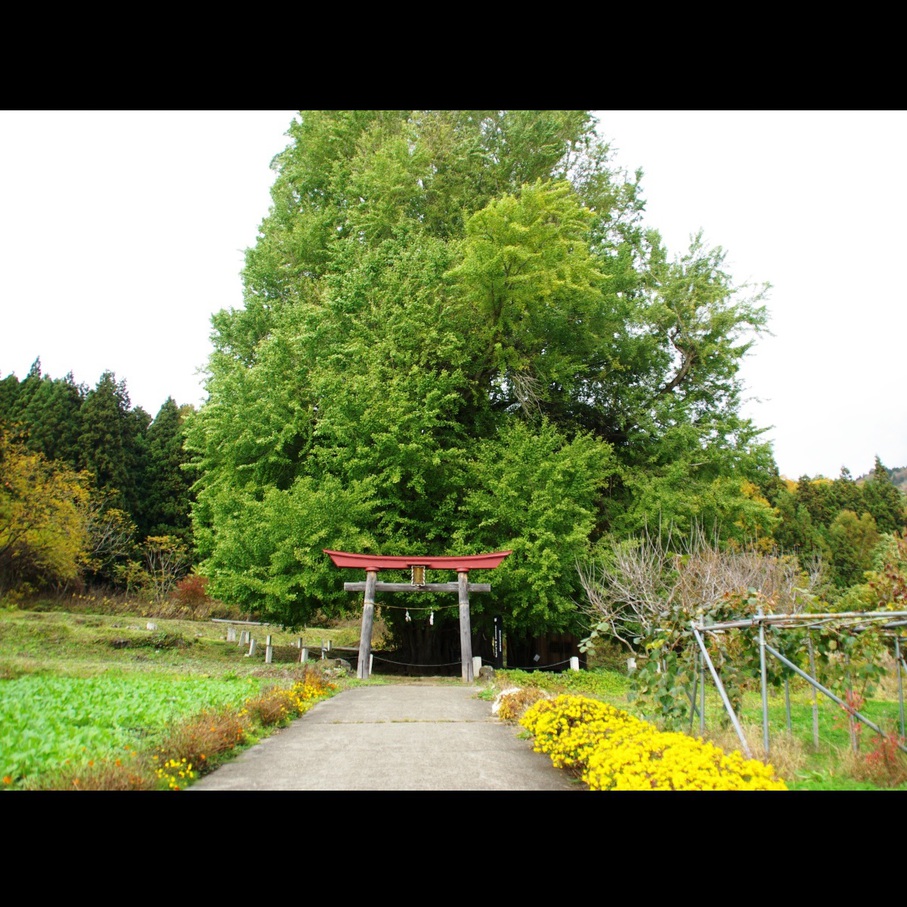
{"x": 458, "y": 337}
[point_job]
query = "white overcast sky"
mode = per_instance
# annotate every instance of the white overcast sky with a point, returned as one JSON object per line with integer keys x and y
{"x": 121, "y": 232}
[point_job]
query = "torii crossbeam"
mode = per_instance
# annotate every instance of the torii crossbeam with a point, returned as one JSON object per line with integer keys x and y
{"x": 372, "y": 563}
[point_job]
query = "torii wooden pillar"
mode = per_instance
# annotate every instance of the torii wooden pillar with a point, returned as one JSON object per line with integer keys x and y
{"x": 372, "y": 563}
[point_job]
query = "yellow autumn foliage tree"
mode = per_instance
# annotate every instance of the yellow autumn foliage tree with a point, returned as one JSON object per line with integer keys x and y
{"x": 43, "y": 521}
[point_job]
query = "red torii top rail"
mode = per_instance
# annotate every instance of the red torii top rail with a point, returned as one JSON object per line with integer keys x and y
{"x": 462, "y": 564}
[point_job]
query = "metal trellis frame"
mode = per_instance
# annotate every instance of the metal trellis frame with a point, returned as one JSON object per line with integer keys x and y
{"x": 889, "y": 620}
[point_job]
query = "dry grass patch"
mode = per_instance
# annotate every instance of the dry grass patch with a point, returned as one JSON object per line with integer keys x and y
{"x": 881, "y": 763}
{"x": 786, "y": 754}
{"x": 200, "y": 740}
{"x": 510, "y": 704}
{"x": 132, "y": 771}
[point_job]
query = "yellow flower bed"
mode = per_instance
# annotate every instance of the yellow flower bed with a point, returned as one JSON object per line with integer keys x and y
{"x": 611, "y": 750}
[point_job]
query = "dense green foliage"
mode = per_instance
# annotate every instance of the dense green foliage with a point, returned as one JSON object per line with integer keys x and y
{"x": 124, "y": 472}
{"x": 840, "y": 523}
{"x": 458, "y": 337}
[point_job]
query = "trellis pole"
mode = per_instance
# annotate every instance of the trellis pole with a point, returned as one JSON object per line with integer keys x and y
{"x": 787, "y": 710}
{"x": 727, "y": 704}
{"x": 897, "y": 660}
{"x": 812, "y": 670}
{"x": 764, "y": 683}
{"x": 853, "y": 713}
{"x": 693, "y": 696}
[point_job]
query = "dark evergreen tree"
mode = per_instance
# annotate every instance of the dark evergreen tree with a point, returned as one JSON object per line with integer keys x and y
{"x": 846, "y": 494}
{"x": 108, "y": 440}
{"x": 852, "y": 540}
{"x": 817, "y": 496}
{"x": 794, "y": 533}
{"x": 9, "y": 400}
{"x": 51, "y": 418}
{"x": 138, "y": 422}
{"x": 165, "y": 505}
{"x": 884, "y": 500}
{"x": 28, "y": 387}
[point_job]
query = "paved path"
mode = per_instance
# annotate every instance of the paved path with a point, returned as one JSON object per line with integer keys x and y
{"x": 420, "y": 736}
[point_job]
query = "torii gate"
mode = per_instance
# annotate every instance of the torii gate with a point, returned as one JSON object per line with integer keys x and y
{"x": 372, "y": 563}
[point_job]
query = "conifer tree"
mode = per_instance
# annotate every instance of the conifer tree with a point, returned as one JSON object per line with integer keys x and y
{"x": 164, "y": 505}
{"x": 884, "y": 500}
{"x": 52, "y": 419}
{"x": 110, "y": 439}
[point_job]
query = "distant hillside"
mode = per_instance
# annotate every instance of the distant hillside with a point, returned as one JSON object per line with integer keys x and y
{"x": 898, "y": 477}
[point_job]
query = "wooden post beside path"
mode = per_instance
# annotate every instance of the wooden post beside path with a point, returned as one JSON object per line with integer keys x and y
{"x": 465, "y": 630}
{"x": 368, "y": 619}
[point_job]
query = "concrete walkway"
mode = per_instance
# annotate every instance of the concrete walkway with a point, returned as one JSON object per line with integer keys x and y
{"x": 421, "y": 736}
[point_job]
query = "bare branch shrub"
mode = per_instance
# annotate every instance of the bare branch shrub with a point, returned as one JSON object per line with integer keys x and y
{"x": 167, "y": 561}
{"x": 659, "y": 579}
